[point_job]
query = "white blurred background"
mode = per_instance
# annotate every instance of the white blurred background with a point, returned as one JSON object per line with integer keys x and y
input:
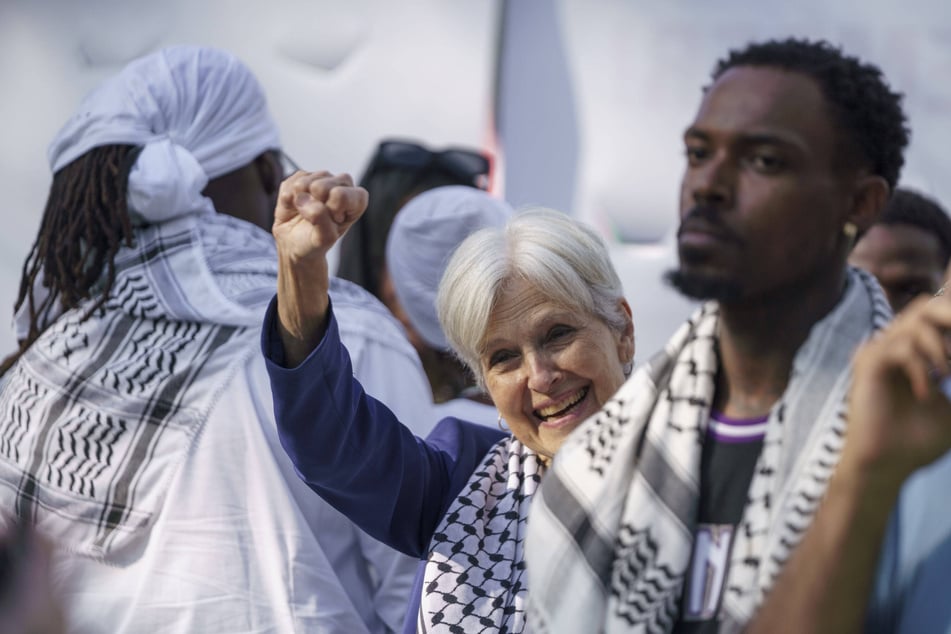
{"x": 582, "y": 101}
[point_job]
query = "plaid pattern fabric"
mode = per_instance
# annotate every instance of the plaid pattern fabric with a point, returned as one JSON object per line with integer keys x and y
{"x": 613, "y": 523}
{"x": 97, "y": 415}
{"x": 474, "y": 577}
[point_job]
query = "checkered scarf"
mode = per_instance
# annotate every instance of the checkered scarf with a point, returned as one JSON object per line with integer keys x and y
{"x": 613, "y": 523}
{"x": 97, "y": 414}
{"x": 473, "y": 581}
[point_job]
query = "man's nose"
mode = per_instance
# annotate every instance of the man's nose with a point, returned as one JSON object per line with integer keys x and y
{"x": 713, "y": 183}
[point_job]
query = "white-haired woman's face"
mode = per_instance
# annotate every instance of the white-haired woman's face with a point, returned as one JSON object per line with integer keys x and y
{"x": 547, "y": 367}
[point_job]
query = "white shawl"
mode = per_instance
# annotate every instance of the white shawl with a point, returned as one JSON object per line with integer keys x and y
{"x": 613, "y": 524}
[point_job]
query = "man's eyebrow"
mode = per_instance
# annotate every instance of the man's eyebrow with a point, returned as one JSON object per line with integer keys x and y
{"x": 751, "y": 138}
{"x": 769, "y": 138}
{"x": 696, "y": 133}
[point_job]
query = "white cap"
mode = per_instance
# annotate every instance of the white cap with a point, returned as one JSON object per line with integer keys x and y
{"x": 425, "y": 233}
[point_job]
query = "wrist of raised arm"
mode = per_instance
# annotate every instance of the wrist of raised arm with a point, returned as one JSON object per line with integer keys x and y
{"x": 302, "y": 305}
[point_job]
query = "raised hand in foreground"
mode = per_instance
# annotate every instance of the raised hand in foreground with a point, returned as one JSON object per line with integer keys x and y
{"x": 314, "y": 210}
{"x": 899, "y": 421}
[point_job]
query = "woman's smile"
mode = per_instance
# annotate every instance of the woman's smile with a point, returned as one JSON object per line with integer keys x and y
{"x": 550, "y": 415}
{"x": 548, "y": 367}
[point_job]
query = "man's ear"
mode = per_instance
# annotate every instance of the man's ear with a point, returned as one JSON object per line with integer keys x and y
{"x": 269, "y": 170}
{"x": 868, "y": 200}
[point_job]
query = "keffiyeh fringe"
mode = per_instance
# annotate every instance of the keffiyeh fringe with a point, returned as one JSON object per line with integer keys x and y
{"x": 475, "y": 575}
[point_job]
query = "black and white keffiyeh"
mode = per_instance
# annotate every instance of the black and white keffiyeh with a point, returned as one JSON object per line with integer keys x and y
{"x": 474, "y": 579}
{"x": 613, "y": 524}
{"x": 97, "y": 415}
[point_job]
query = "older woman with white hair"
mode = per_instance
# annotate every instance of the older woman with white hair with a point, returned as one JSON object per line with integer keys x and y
{"x": 534, "y": 309}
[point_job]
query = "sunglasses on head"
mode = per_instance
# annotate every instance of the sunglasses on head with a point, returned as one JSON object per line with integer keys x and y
{"x": 467, "y": 165}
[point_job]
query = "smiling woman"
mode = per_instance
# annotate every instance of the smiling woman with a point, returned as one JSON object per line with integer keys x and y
{"x": 534, "y": 309}
{"x": 544, "y": 365}
{"x": 546, "y": 329}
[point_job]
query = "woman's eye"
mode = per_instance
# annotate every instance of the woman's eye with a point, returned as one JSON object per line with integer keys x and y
{"x": 559, "y": 332}
{"x": 500, "y": 357}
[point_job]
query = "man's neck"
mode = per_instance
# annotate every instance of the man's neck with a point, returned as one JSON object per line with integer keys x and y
{"x": 758, "y": 342}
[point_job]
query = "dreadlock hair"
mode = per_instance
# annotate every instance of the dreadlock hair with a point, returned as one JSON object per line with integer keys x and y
{"x": 861, "y": 102}
{"x": 909, "y": 207}
{"x": 85, "y": 222}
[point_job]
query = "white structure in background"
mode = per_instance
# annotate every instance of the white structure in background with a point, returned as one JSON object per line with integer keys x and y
{"x": 618, "y": 81}
{"x": 590, "y": 96}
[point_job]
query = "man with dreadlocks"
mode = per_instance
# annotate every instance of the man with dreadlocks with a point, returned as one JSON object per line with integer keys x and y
{"x": 136, "y": 424}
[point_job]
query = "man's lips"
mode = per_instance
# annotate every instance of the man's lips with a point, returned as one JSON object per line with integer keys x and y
{"x": 699, "y": 232}
{"x": 699, "y": 239}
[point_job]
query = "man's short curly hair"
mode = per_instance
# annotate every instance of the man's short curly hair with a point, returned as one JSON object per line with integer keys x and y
{"x": 864, "y": 106}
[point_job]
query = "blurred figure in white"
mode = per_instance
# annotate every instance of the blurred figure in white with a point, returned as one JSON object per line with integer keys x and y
{"x": 424, "y": 235}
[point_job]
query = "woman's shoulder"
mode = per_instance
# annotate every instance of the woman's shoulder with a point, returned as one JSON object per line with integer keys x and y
{"x": 454, "y": 431}
{"x": 465, "y": 445}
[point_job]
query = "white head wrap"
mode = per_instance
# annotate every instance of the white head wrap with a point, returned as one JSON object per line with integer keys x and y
{"x": 198, "y": 112}
{"x": 424, "y": 235}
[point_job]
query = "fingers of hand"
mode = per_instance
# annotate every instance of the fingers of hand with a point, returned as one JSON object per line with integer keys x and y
{"x": 334, "y": 196}
{"x": 935, "y": 309}
{"x": 316, "y": 195}
{"x": 930, "y": 323}
{"x": 915, "y": 344}
{"x": 342, "y": 200}
{"x": 347, "y": 203}
{"x": 294, "y": 197}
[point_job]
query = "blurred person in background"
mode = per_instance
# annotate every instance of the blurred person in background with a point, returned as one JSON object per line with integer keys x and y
{"x": 908, "y": 249}
{"x": 136, "y": 426}
{"x": 426, "y": 232}
{"x": 397, "y": 171}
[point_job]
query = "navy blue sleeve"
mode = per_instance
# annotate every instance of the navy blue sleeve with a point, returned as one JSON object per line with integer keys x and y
{"x": 351, "y": 449}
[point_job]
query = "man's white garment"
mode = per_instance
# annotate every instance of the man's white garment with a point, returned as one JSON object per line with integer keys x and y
{"x": 142, "y": 441}
{"x": 242, "y": 545}
{"x": 222, "y": 535}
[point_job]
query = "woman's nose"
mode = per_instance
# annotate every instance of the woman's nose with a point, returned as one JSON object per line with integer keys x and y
{"x": 543, "y": 372}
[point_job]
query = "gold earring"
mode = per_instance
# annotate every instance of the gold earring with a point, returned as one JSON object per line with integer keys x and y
{"x": 850, "y": 231}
